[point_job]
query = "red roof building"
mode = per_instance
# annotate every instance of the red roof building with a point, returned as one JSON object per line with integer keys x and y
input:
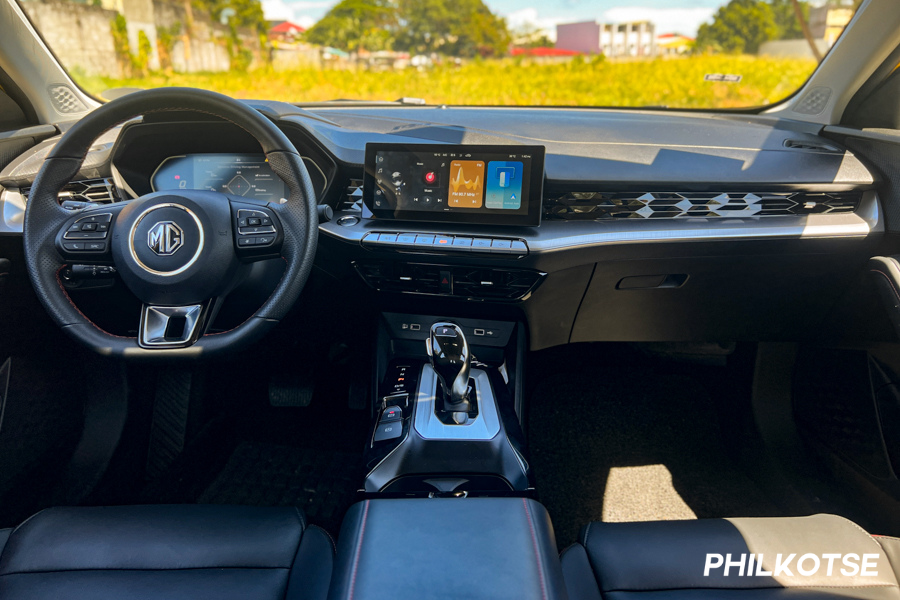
{"x": 285, "y": 31}
{"x": 543, "y": 51}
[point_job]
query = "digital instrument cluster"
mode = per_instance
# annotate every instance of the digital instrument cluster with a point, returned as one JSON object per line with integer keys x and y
{"x": 247, "y": 175}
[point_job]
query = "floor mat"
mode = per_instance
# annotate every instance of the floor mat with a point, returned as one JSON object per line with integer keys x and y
{"x": 618, "y": 436}
{"x": 322, "y": 483}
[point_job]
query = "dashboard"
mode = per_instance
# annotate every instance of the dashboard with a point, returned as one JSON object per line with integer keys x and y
{"x": 590, "y": 225}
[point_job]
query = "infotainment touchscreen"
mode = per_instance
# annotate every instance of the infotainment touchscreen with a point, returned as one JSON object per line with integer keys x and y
{"x": 467, "y": 184}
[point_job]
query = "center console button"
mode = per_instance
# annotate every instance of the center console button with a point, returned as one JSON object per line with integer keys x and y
{"x": 388, "y": 431}
{"x": 423, "y": 241}
{"x": 481, "y": 244}
{"x": 406, "y": 239}
{"x": 443, "y": 241}
{"x": 391, "y": 413}
{"x": 462, "y": 243}
{"x": 500, "y": 245}
{"x": 387, "y": 238}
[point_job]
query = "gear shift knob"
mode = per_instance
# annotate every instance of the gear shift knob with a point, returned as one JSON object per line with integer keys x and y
{"x": 451, "y": 359}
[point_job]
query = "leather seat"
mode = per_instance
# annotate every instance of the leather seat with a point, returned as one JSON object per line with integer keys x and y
{"x": 172, "y": 552}
{"x": 680, "y": 560}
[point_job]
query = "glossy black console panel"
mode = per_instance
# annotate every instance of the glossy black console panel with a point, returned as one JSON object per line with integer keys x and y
{"x": 473, "y": 548}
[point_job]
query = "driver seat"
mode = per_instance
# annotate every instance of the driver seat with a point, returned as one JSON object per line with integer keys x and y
{"x": 178, "y": 552}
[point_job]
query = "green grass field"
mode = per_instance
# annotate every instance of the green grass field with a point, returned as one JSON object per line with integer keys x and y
{"x": 676, "y": 83}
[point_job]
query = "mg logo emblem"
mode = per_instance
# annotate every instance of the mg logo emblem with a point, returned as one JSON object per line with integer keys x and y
{"x": 165, "y": 238}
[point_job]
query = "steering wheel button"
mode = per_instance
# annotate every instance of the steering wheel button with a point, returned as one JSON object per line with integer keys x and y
{"x": 95, "y": 246}
{"x": 265, "y": 240}
{"x": 73, "y": 246}
{"x": 85, "y": 235}
{"x": 253, "y": 221}
{"x": 247, "y": 241}
{"x": 89, "y": 227}
{"x": 265, "y": 221}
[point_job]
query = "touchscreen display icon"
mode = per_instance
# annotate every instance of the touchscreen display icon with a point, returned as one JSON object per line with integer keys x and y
{"x": 504, "y": 185}
{"x": 466, "y": 184}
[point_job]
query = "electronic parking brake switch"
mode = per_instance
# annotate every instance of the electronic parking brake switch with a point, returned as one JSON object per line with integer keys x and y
{"x": 398, "y": 385}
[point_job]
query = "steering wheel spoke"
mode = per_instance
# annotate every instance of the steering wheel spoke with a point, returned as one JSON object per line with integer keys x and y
{"x": 87, "y": 234}
{"x": 172, "y": 326}
{"x": 258, "y": 233}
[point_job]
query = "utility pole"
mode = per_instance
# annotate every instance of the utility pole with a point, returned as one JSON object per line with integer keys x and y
{"x": 188, "y": 32}
{"x": 804, "y": 26}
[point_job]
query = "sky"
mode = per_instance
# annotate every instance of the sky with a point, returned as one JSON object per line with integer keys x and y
{"x": 683, "y": 16}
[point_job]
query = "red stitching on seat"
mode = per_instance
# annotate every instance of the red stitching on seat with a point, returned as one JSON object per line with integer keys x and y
{"x": 362, "y": 531}
{"x": 890, "y": 282}
{"x": 537, "y": 554}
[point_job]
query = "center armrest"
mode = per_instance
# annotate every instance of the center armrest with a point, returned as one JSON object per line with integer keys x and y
{"x": 447, "y": 548}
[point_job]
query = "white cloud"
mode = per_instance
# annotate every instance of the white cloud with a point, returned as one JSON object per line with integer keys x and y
{"x": 296, "y": 12}
{"x": 667, "y": 20}
{"x": 529, "y": 17}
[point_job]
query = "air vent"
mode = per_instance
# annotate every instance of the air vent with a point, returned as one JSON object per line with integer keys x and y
{"x": 676, "y": 205}
{"x": 811, "y": 145}
{"x": 99, "y": 191}
{"x": 473, "y": 283}
{"x": 352, "y": 200}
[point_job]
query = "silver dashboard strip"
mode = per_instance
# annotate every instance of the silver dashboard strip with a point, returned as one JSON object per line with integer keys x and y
{"x": 566, "y": 235}
{"x": 866, "y": 220}
{"x": 483, "y": 427}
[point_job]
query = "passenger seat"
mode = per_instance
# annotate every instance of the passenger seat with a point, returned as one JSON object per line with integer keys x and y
{"x": 711, "y": 558}
{"x": 184, "y": 552}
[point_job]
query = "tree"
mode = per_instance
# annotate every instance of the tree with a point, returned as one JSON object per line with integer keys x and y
{"x": 739, "y": 27}
{"x": 789, "y": 27}
{"x": 529, "y": 35}
{"x": 451, "y": 27}
{"x": 353, "y": 25}
{"x": 238, "y": 14}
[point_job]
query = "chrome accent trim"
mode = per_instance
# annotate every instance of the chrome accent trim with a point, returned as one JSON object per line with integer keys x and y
{"x": 12, "y": 211}
{"x": 186, "y": 266}
{"x": 866, "y": 220}
{"x": 483, "y": 427}
{"x": 155, "y": 320}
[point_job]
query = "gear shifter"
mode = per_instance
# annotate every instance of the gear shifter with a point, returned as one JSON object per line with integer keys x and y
{"x": 451, "y": 360}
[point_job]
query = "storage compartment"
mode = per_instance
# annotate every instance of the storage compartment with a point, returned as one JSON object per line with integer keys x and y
{"x": 491, "y": 548}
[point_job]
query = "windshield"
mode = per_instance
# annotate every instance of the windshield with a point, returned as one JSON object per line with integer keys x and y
{"x": 703, "y": 54}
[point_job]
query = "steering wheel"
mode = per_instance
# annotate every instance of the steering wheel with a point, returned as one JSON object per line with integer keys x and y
{"x": 180, "y": 252}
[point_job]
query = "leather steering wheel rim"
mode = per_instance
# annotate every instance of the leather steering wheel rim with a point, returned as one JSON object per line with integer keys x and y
{"x": 44, "y": 217}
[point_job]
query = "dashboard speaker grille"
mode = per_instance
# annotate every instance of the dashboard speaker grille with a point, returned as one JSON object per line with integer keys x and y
{"x": 675, "y": 205}
{"x": 65, "y": 100}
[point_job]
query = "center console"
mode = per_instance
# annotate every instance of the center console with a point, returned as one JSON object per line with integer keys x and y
{"x": 446, "y": 420}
